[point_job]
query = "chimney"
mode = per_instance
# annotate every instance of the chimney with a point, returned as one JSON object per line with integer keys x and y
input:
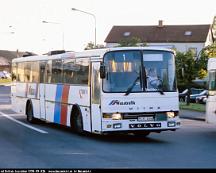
{"x": 160, "y": 23}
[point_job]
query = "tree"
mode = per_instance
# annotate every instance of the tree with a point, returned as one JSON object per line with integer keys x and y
{"x": 131, "y": 42}
{"x": 211, "y": 50}
{"x": 91, "y": 45}
{"x": 201, "y": 63}
{"x": 185, "y": 68}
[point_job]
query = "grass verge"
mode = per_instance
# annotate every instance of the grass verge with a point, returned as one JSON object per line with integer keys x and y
{"x": 5, "y": 81}
{"x": 193, "y": 106}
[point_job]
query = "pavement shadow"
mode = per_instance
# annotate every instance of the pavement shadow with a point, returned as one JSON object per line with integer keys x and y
{"x": 113, "y": 138}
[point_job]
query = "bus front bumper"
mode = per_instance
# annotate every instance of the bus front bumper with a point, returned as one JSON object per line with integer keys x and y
{"x": 134, "y": 125}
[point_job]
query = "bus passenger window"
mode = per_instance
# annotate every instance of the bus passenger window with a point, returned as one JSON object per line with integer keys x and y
{"x": 20, "y": 72}
{"x": 27, "y": 71}
{"x": 56, "y": 71}
{"x": 49, "y": 71}
{"x": 34, "y": 72}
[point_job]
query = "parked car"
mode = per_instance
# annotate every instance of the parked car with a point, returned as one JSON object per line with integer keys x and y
{"x": 182, "y": 95}
{"x": 194, "y": 92}
{"x": 198, "y": 97}
{"x": 4, "y": 75}
{"x": 201, "y": 99}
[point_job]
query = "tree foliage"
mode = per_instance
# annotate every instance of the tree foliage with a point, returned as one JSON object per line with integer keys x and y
{"x": 210, "y": 50}
{"x": 131, "y": 42}
{"x": 185, "y": 68}
{"x": 91, "y": 45}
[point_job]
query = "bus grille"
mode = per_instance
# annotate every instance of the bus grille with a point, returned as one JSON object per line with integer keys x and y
{"x": 160, "y": 116}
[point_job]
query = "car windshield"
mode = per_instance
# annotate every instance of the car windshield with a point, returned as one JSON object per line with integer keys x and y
{"x": 203, "y": 92}
{"x": 139, "y": 71}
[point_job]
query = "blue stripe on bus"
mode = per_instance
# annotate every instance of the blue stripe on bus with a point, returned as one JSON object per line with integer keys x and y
{"x": 57, "y": 110}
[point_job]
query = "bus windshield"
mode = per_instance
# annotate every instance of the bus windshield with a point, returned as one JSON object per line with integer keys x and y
{"x": 139, "y": 71}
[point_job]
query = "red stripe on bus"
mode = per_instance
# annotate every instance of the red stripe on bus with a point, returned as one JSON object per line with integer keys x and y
{"x": 64, "y": 104}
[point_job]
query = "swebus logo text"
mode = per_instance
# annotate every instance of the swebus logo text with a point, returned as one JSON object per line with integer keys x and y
{"x": 117, "y": 102}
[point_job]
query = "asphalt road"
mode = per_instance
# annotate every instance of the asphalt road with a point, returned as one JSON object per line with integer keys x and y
{"x": 192, "y": 146}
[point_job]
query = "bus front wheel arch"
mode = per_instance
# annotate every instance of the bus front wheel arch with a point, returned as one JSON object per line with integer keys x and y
{"x": 76, "y": 120}
{"x": 29, "y": 112}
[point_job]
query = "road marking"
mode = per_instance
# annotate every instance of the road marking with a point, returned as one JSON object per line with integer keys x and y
{"x": 23, "y": 124}
{"x": 77, "y": 153}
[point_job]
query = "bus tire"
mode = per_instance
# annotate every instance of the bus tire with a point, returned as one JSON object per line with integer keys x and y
{"x": 29, "y": 113}
{"x": 76, "y": 121}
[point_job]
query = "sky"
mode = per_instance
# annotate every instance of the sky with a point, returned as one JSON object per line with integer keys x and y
{"x": 21, "y": 25}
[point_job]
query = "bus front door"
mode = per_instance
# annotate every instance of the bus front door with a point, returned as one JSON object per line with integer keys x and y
{"x": 95, "y": 97}
{"x": 42, "y": 86}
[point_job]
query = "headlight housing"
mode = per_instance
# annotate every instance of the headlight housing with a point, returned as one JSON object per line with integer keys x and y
{"x": 170, "y": 114}
{"x": 114, "y": 116}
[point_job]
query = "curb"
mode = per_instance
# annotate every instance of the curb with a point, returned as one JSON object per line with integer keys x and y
{"x": 191, "y": 118}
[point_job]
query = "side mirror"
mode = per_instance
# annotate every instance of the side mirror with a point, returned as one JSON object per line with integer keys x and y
{"x": 102, "y": 71}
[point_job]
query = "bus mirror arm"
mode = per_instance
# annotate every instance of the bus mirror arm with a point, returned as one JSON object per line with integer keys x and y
{"x": 102, "y": 71}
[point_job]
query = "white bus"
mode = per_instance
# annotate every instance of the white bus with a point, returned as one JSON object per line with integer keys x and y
{"x": 128, "y": 90}
{"x": 211, "y": 101}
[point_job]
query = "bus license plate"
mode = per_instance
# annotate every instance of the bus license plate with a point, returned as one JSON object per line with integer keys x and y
{"x": 145, "y": 125}
{"x": 145, "y": 118}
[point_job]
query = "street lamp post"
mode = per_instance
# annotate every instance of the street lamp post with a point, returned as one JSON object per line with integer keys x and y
{"x": 62, "y": 30}
{"x": 74, "y": 9}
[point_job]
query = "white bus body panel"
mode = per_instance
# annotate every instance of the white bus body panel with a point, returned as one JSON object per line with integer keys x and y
{"x": 211, "y": 101}
{"x": 140, "y": 102}
{"x": 211, "y": 110}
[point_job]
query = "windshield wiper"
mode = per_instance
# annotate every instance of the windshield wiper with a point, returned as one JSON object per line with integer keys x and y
{"x": 131, "y": 87}
{"x": 158, "y": 87}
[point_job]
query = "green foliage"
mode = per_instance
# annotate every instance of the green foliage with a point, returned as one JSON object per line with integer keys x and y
{"x": 193, "y": 107}
{"x": 131, "y": 42}
{"x": 202, "y": 73}
{"x": 185, "y": 68}
{"x": 210, "y": 50}
{"x": 91, "y": 45}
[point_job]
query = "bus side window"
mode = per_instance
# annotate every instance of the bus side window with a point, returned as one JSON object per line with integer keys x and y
{"x": 43, "y": 72}
{"x": 48, "y": 71}
{"x": 56, "y": 71}
{"x": 83, "y": 72}
{"x": 27, "y": 71}
{"x": 68, "y": 73}
{"x": 14, "y": 72}
{"x": 20, "y": 72}
{"x": 34, "y": 72}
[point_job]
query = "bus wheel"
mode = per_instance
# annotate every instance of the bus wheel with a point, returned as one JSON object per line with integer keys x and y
{"x": 29, "y": 113}
{"x": 78, "y": 123}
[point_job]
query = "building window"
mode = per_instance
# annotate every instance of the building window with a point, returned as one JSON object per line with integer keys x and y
{"x": 188, "y": 33}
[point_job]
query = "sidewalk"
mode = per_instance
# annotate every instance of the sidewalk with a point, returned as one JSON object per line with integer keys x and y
{"x": 194, "y": 115}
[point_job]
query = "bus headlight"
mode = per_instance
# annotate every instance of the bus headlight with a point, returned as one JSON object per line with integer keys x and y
{"x": 170, "y": 114}
{"x": 105, "y": 115}
{"x": 116, "y": 116}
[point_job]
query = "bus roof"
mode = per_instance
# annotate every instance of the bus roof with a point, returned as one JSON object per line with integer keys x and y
{"x": 86, "y": 53}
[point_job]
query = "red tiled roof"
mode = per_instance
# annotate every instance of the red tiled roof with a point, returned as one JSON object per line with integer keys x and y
{"x": 156, "y": 34}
